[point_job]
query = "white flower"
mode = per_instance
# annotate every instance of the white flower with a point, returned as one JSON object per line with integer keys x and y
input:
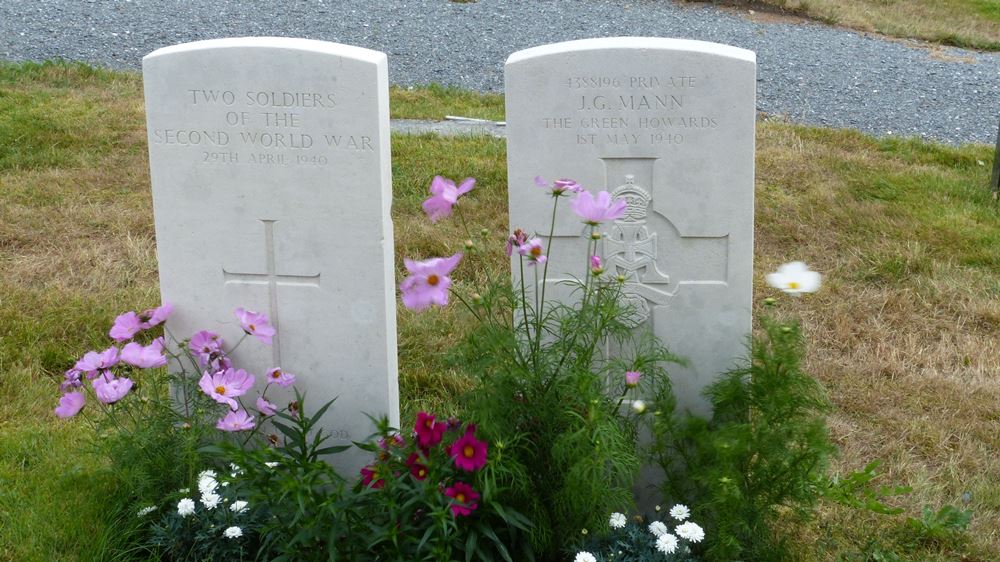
{"x": 271, "y": 464}
{"x": 794, "y": 278}
{"x": 680, "y": 512}
{"x": 211, "y": 500}
{"x": 207, "y": 482}
{"x": 185, "y": 507}
{"x": 239, "y": 506}
{"x": 690, "y": 531}
{"x": 639, "y": 406}
{"x": 658, "y": 528}
{"x": 584, "y": 557}
{"x": 146, "y": 511}
{"x": 233, "y": 532}
{"x": 667, "y": 543}
{"x": 236, "y": 470}
{"x": 617, "y": 521}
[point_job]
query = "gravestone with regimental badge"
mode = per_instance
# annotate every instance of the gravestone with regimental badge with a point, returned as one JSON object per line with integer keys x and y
{"x": 667, "y": 125}
{"x": 269, "y": 162}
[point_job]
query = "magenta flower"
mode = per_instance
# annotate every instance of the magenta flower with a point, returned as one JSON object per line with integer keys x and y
{"x": 417, "y": 469}
{"x": 632, "y": 378}
{"x": 226, "y": 385}
{"x": 515, "y": 240}
{"x": 265, "y": 408}
{"x": 156, "y": 316}
{"x": 370, "y": 478}
{"x": 70, "y": 404}
{"x": 236, "y": 421}
{"x": 444, "y": 195}
{"x": 429, "y": 431}
{"x": 279, "y": 377}
{"x": 595, "y": 211}
{"x": 256, "y": 324}
{"x": 93, "y": 362}
{"x": 126, "y": 326}
{"x": 469, "y": 453}
{"x": 532, "y": 249}
{"x": 465, "y": 499}
{"x": 110, "y": 390}
{"x": 145, "y": 357}
{"x": 596, "y": 267}
{"x": 428, "y": 282}
{"x": 559, "y": 187}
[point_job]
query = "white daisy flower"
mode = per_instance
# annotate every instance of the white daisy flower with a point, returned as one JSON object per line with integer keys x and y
{"x": 207, "y": 482}
{"x": 233, "y": 532}
{"x": 658, "y": 528}
{"x": 584, "y": 557}
{"x": 667, "y": 543}
{"x": 271, "y": 464}
{"x": 639, "y": 406}
{"x": 794, "y": 278}
{"x": 680, "y": 512}
{"x": 690, "y": 531}
{"x": 185, "y": 507}
{"x": 146, "y": 511}
{"x": 211, "y": 500}
{"x": 617, "y": 521}
{"x": 239, "y": 506}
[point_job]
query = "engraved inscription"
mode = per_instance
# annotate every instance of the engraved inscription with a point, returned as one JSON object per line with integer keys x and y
{"x": 632, "y": 110}
{"x": 271, "y": 128}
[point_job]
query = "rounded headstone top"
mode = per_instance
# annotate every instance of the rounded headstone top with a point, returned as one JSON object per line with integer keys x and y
{"x": 640, "y": 43}
{"x": 287, "y": 43}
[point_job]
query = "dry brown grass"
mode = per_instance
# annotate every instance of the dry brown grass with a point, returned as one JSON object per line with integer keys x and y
{"x": 962, "y": 23}
{"x": 905, "y": 333}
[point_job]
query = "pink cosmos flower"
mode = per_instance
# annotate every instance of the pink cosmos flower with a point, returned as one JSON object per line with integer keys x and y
{"x": 70, "y": 404}
{"x": 238, "y": 420}
{"x": 596, "y": 267}
{"x": 145, "y": 357}
{"x": 110, "y": 390}
{"x": 207, "y": 348}
{"x": 397, "y": 441}
{"x": 515, "y": 240}
{"x": 428, "y": 282}
{"x": 429, "y": 431}
{"x": 226, "y": 385}
{"x": 93, "y": 362}
{"x": 632, "y": 378}
{"x": 265, "y": 408}
{"x": 444, "y": 195}
{"x": 72, "y": 379}
{"x": 156, "y": 316}
{"x": 469, "y": 453}
{"x": 126, "y": 326}
{"x": 465, "y": 499}
{"x": 256, "y": 324}
{"x": 533, "y": 250}
{"x": 595, "y": 211}
{"x": 279, "y": 377}
{"x": 559, "y": 187}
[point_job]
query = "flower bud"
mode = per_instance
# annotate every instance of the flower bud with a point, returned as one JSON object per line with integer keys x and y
{"x": 484, "y": 232}
{"x": 620, "y": 278}
{"x": 469, "y": 244}
{"x": 583, "y": 531}
{"x": 595, "y": 235}
{"x": 477, "y": 298}
{"x": 639, "y": 406}
{"x": 770, "y": 301}
{"x": 786, "y": 330}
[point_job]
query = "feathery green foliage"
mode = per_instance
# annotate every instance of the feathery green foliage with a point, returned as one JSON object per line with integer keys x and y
{"x": 762, "y": 452}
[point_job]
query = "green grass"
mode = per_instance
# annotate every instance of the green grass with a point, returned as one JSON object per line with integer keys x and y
{"x": 903, "y": 334}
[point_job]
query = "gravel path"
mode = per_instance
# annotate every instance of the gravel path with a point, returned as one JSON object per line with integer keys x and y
{"x": 808, "y": 72}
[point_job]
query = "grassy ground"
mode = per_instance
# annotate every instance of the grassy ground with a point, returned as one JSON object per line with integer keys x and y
{"x": 904, "y": 334}
{"x": 962, "y": 23}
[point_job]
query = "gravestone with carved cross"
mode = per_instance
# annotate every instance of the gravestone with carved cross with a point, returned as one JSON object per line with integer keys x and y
{"x": 269, "y": 163}
{"x": 668, "y": 126}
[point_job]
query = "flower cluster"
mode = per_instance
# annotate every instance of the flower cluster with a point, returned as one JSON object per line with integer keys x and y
{"x": 106, "y": 369}
{"x": 453, "y": 461}
{"x": 657, "y": 541}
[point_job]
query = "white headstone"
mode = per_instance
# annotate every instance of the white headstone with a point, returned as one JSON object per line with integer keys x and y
{"x": 667, "y": 124}
{"x": 270, "y": 169}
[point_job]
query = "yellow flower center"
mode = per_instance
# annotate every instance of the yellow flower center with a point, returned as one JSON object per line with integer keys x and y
{"x": 422, "y": 473}
{"x": 469, "y": 452}
{"x": 460, "y": 497}
{"x": 433, "y": 280}
{"x": 793, "y": 284}
{"x": 429, "y": 423}
{"x": 536, "y": 251}
{"x": 220, "y": 389}
{"x": 276, "y": 374}
{"x": 253, "y": 328}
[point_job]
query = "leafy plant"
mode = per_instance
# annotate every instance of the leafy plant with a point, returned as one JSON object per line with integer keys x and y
{"x": 855, "y": 491}
{"x": 941, "y": 525}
